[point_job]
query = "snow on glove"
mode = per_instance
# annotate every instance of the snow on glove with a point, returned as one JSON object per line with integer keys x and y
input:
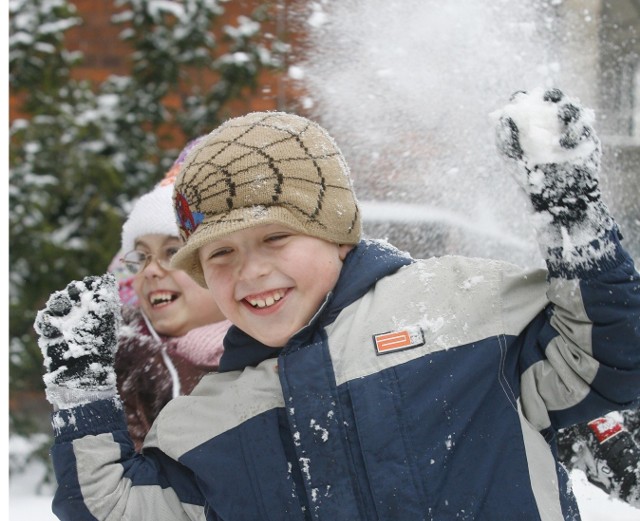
{"x": 557, "y": 153}
{"x": 77, "y": 334}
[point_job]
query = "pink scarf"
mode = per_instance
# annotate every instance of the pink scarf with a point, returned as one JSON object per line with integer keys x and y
{"x": 203, "y": 345}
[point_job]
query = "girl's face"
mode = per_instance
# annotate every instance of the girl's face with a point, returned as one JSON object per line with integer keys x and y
{"x": 269, "y": 280}
{"x": 173, "y": 301}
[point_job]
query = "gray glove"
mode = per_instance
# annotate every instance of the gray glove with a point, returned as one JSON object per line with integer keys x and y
{"x": 77, "y": 333}
{"x": 557, "y": 153}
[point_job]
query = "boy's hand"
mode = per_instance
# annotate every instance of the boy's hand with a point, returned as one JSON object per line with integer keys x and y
{"x": 78, "y": 337}
{"x": 551, "y": 139}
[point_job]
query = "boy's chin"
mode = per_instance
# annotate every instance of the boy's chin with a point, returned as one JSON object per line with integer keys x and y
{"x": 274, "y": 344}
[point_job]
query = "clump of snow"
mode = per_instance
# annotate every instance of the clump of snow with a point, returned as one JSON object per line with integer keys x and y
{"x": 305, "y": 467}
{"x": 425, "y": 274}
{"x": 434, "y": 324}
{"x": 324, "y": 433}
{"x": 540, "y": 128}
{"x": 471, "y": 282}
{"x": 58, "y": 422}
{"x": 386, "y": 246}
{"x": 258, "y": 212}
{"x": 596, "y": 505}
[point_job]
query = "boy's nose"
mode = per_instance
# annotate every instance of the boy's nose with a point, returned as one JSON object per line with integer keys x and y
{"x": 254, "y": 265}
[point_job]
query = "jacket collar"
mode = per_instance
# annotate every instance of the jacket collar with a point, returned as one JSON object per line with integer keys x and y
{"x": 366, "y": 264}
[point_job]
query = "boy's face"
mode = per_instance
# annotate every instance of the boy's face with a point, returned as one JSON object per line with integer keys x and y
{"x": 269, "y": 280}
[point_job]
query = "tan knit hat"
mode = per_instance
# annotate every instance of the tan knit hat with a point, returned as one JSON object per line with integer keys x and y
{"x": 263, "y": 168}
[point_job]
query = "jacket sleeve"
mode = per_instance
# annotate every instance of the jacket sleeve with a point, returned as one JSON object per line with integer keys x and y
{"x": 101, "y": 477}
{"x": 580, "y": 357}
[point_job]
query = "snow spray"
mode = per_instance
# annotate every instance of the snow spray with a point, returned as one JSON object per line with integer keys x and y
{"x": 406, "y": 88}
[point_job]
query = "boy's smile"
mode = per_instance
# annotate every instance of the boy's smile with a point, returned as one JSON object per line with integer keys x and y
{"x": 270, "y": 280}
{"x": 266, "y": 300}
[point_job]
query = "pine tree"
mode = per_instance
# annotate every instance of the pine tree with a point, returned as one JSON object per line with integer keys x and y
{"x": 82, "y": 152}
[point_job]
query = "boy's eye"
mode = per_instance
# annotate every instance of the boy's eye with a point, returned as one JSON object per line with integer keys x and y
{"x": 277, "y": 237}
{"x": 219, "y": 253}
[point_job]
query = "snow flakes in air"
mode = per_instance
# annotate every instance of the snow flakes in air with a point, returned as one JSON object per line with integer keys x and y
{"x": 318, "y": 17}
{"x": 295, "y": 72}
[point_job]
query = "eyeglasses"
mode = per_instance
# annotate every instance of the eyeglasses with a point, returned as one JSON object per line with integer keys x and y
{"x": 136, "y": 261}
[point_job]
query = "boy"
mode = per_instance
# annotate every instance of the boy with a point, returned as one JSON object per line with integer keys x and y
{"x": 357, "y": 383}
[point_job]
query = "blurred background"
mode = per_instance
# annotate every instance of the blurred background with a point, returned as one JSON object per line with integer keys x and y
{"x": 104, "y": 93}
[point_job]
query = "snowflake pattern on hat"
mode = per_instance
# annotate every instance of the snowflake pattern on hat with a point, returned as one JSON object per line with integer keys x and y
{"x": 262, "y": 168}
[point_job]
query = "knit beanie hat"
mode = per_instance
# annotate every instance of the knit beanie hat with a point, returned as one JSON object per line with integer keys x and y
{"x": 153, "y": 212}
{"x": 263, "y": 168}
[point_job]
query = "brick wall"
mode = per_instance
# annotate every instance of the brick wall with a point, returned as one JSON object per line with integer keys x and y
{"x": 105, "y": 54}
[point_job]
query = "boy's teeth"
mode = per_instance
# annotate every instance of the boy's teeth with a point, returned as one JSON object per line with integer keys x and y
{"x": 263, "y": 303}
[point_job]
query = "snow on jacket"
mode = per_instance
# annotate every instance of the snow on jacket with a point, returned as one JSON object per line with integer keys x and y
{"x": 152, "y": 369}
{"x": 427, "y": 390}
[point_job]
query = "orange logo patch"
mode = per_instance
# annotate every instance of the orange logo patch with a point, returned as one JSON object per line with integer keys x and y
{"x": 398, "y": 340}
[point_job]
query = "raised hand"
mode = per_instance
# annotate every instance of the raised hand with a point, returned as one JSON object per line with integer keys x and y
{"x": 557, "y": 153}
{"x": 77, "y": 334}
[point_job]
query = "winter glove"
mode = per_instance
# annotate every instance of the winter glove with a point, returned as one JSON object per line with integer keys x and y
{"x": 77, "y": 333}
{"x": 606, "y": 452}
{"x": 557, "y": 155}
{"x": 614, "y": 445}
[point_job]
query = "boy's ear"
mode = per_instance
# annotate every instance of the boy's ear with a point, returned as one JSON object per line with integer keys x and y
{"x": 343, "y": 249}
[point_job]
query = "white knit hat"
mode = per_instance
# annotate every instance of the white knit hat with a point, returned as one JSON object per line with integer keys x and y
{"x": 153, "y": 213}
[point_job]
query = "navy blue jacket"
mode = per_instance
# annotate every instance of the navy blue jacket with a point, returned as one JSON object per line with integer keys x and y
{"x": 421, "y": 390}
